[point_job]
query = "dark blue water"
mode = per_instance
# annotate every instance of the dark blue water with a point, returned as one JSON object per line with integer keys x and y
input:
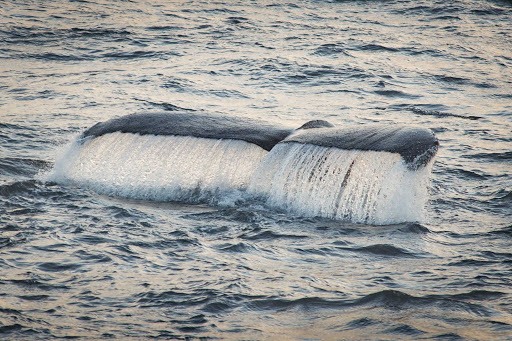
{"x": 75, "y": 263}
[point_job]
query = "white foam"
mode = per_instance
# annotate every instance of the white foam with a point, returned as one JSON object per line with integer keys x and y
{"x": 158, "y": 168}
{"x": 313, "y": 181}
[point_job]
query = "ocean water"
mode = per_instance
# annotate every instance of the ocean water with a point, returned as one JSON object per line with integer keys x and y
{"x": 121, "y": 255}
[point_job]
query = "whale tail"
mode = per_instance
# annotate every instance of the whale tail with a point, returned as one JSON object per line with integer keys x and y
{"x": 367, "y": 174}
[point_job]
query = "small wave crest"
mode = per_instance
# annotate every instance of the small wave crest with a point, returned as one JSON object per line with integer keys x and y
{"x": 10, "y": 166}
{"x": 383, "y": 250}
{"x": 437, "y": 113}
{"x": 17, "y": 188}
{"x": 393, "y": 300}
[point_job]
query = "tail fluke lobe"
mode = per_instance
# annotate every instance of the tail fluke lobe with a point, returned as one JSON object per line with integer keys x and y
{"x": 417, "y": 146}
{"x": 257, "y": 132}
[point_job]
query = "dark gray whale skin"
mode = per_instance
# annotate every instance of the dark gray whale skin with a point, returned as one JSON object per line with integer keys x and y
{"x": 417, "y": 146}
{"x": 256, "y": 132}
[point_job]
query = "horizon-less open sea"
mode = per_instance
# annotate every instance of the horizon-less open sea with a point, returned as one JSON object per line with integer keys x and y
{"x": 76, "y": 263}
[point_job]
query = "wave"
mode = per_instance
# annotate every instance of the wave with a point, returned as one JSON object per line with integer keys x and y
{"x": 17, "y": 188}
{"x": 437, "y": 113}
{"x": 505, "y": 231}
{"x": 395, "y": 93}
{"x": 491, "y": 156}
{"x": 383, "y": 250}
{"x": 12, "y": 166}
{"x": 40, "y": 35}
{"x": 389, "y": 299}
{"x": 331, "y": 50}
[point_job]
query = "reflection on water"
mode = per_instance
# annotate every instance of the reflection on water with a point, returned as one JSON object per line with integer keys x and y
{"x": 74, "y": 263}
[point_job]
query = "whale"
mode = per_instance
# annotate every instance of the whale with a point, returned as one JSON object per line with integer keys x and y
{"x": 258, "y": 132}
{"x": 416, "y": 145}
{"x": 366, "y": 173}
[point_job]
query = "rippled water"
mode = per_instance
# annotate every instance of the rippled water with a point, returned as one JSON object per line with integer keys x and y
{"x": 78, "y": 264}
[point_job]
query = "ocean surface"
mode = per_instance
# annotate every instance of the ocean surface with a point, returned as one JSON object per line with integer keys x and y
{"x": 81, "y": 261}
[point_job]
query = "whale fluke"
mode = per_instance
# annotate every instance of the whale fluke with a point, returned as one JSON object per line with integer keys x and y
{"x": 366, "y": 174}
{"x": 417, "y": 146}
{"x": 257, "y": 132}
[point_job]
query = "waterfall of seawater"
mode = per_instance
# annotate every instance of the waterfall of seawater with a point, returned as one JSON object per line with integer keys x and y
{"x": 159, "y": 168}
{"x": 307, "y": 180}
{"x": 359, "y": 186}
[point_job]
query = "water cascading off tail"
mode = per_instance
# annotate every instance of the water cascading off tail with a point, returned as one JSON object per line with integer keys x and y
{"x": 374, "y": 174}
{"x": 161, "y": 168}
{"x": 359, "y": 186}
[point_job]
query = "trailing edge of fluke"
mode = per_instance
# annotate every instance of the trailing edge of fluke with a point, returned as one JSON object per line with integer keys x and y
{"x": 417, "y": 146}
